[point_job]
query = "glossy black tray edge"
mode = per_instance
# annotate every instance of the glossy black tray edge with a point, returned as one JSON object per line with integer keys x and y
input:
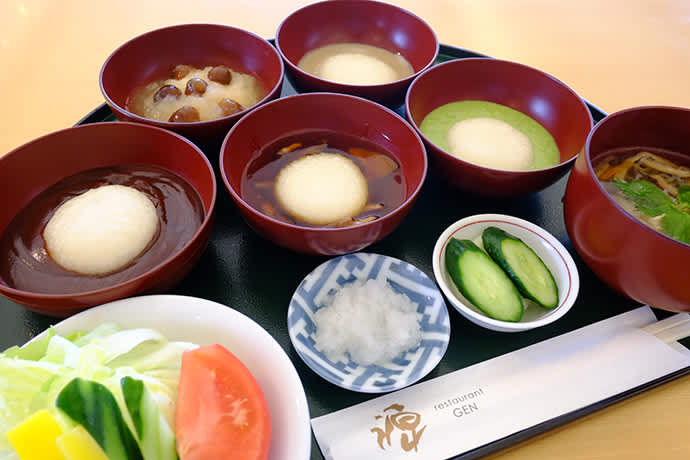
{"x": 446, "y": 52}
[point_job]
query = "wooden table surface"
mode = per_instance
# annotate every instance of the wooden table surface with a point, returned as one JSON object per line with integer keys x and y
{"x": 614, "y": 53}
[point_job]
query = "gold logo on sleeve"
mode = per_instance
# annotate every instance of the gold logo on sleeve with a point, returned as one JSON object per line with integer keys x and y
{"x": 396, "y": 419}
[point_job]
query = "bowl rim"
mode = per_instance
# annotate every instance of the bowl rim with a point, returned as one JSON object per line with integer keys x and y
{"x": 202, "y": 309}
{"x": 208, "y": 216}
{"x": 590, "y": 169}
{"x": 572, "y": 283}
{"x": 270, "y": 93}
{"x": 237, "y": 197}
{"x": 459, "y": 61}
{"x": 347, "y": 86}
{"x": 323, "y": 371}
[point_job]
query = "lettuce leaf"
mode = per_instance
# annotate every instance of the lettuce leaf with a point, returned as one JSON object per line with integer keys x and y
{"x": 33, "y": 375}
{"x": 32, "y": 350}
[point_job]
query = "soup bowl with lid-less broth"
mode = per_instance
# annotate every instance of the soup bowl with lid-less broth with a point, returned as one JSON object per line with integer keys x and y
{"x": 640, "y": 254}
{"x": 79, "y": 264}
{"x": 497, "y": 128}
{"x": 360, "y": 47}
{"x": 220, "y": 71}
{"x": 323, "y": 173}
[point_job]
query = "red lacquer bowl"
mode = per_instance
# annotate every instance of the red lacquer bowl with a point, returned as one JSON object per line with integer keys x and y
{"x": 356, "y": 21}
{"x": 530, "y": 91}
{"x": 340, "y": 113}
{"x": 35, "y": 166}
{"x": 151, "y": 56}
{"x": 629, "y": 256}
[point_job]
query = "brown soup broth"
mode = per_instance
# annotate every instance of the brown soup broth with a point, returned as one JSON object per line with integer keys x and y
{"x": 26, "y": 264}
{"x": 258, "y": 179}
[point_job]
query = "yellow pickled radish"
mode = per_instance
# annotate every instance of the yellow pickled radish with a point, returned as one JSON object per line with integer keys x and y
{"x": 34, "y": 439}
{"x": 78, "y": 444}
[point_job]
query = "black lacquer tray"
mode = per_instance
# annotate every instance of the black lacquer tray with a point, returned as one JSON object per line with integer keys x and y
{"x": 258, "y": 278}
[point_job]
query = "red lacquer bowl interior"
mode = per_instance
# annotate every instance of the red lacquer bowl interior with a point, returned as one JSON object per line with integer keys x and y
{"x": 627, "y": 255}
{"x": 530, "y": 91}
{"x": 331, "y": 112}
{"x": 35, "y": 166}
{"x": 356, "y": 21}
{"x": 151, "y": 56}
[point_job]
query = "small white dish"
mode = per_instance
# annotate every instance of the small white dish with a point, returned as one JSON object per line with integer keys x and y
{"x": 403, "y": 277}
{"x": 556, "y": 257}
{"x": 204, "y": 322}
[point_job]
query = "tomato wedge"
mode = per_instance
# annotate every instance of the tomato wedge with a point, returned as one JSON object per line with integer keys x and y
{"x": 221, "y": 410}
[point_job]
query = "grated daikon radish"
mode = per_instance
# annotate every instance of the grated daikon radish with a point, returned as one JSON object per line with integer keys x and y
{"x": 368, "y": 320}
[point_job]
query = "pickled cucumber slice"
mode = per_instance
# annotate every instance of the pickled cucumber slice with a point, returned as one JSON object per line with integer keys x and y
{"x": 524, "y": 267}
{"x": 482, "y": 281}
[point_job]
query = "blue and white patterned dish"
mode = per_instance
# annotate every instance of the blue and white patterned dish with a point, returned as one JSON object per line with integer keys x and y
{"x": 404, "y": 278}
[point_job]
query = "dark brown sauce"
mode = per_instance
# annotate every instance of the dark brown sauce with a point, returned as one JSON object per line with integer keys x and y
{"x": 26, "y": 265}
{"x": 387, "y": 188}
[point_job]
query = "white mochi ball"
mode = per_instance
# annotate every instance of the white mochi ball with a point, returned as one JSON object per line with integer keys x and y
{"x": 101, "y": 230}
{"x": 356, "y": 69}
{"x": 490, "y": 142}
{"x": 322, "y": 188}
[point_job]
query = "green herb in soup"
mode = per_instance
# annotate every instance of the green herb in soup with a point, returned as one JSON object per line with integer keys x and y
{"x": 492, "y": 135}
{"x": 651, "y": 187}
{"x": 673, "y": 220}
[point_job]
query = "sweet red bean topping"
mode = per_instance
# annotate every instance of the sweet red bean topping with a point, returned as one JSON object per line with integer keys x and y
{"x": 195, "y": 87}
{"x": 185, "y": 113}
{"x": 166, "y": 91}
{"x": 220, "y": 74}
{"x": 228, "y": 106}
{"x": 181, "y": 71}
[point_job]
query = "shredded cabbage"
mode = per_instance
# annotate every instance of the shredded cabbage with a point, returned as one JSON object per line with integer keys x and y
{"x": 31, "y": 376}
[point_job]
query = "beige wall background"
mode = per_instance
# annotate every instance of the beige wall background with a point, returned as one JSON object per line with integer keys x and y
{"x": 614, "y": 53}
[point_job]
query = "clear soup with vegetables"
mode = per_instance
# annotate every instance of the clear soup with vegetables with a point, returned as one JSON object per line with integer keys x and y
{"x": 653, "y": 185}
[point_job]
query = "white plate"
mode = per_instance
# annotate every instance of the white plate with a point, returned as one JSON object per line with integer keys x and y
{"x": 403, "y": 277}
{"x": 205, "y": 323}
{"x": 546, "y": 246}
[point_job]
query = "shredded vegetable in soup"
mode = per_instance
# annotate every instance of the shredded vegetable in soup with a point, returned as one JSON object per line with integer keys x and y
{"x": 653, "y": 186}
{"x": 665, "y": 174}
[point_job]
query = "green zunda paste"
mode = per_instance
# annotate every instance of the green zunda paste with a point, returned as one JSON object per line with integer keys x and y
{"x": 438, "y": 122}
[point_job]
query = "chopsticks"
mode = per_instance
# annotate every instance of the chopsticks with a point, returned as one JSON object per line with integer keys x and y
{"x": 671, "y": 329}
